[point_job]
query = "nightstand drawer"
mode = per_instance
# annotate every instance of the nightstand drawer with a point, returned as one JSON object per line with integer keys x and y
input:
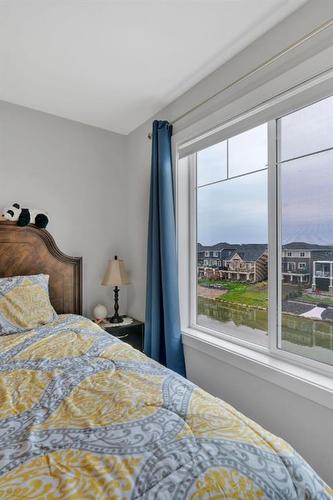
{"x": 132, "y": 334}
{"x": 134, "y": 338}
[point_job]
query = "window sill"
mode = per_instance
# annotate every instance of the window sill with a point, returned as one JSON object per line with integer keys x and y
{"x": 302, "y": 381}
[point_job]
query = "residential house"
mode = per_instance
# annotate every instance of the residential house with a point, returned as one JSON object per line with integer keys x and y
{"x": 215, "y": 255}
{"x": 308, "y": 264}
{"x": 302, "y": 263}
{"x": 322, "y": 270}
{"x": 296, "y": 262}
{"x": 246, "y": 262}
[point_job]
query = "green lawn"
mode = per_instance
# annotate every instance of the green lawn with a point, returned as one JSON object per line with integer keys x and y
{"x": 248, "y": 297}
{"x": 235, "y": 286}
{"x": 241, "y": 293}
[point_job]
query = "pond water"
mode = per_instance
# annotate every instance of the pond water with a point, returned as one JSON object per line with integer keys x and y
{"x": 299, "y": 335}
{"x": 251, "y": 317}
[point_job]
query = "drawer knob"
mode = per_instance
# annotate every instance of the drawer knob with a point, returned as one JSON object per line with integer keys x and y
{"x": 122, "y": 336}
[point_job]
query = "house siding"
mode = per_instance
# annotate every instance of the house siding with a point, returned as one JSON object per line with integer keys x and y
{"x": 261, "y": 268}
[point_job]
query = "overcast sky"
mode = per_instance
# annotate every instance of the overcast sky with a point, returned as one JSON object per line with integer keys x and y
{"x": 236, "y": 210}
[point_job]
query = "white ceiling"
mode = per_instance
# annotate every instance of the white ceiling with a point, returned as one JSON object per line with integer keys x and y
{"x": 114, "y": 63}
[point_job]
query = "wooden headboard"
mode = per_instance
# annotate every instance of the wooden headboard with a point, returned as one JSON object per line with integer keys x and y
{"x": 29, "y": 250}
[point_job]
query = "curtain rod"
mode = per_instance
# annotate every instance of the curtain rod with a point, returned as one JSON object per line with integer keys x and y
{"x": 266, "y": 63}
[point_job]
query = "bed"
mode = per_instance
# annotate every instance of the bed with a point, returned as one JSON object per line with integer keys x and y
{"x": 85, "y": 416}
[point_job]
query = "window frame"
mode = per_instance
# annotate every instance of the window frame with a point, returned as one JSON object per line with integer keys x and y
{"x": 187, "y": 250}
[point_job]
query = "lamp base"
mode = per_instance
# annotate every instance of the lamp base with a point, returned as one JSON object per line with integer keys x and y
{"x": 116, "y": 319}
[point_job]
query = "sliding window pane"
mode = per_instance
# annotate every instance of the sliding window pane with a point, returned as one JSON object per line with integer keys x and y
{"x": 212, "y": 164}
{"x": 232, "y": 256}
{"x": 248, "y": 151}
{"x": 306, "y": 210}
{"x": 308, "y": 130}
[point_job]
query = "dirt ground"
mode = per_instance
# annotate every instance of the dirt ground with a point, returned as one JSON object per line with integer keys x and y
{"x": 209, "y": 293}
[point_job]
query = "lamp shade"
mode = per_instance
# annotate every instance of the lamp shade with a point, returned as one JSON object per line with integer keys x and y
{"x": 115, "y": 274}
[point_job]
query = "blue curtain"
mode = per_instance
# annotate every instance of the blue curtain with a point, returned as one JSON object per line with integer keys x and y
{"x": 162, "y": 323}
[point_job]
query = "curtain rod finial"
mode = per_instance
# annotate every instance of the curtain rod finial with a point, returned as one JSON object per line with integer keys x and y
{"x": 149, "y": 135}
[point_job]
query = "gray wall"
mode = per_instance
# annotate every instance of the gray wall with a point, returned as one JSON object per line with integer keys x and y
{"x": 305, "y": 424}
{"x": 75, "y": 173}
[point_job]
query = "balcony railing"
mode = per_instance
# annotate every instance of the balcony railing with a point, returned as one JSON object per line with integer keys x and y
{"x": 322, "y": 274}
{"x": 241, "y": 269}
{"x": 295, "y": 271}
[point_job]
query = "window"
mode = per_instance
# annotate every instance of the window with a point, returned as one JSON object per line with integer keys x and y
{"x": 232, "y": 211}
{"x": 304, "y": 170}
{"x": 281, "y": 171}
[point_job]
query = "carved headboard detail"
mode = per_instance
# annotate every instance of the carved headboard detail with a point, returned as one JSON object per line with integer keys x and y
{"x": 29, "y": 250}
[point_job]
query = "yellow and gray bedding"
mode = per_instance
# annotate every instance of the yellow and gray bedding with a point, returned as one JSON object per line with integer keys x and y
{"x": 85, "y": 416}
{"x": 25, "y": 303}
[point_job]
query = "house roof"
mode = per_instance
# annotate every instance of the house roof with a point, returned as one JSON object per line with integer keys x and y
{"x": 227, "y": 252}
{"x": 247, "y": 252}
{"x": 217, "y": 246}
{"x": 301, "y": 245}
{"x": 250, "y": 252}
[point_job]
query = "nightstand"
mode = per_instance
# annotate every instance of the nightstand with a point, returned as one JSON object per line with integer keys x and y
{"x": 132, "y": 334}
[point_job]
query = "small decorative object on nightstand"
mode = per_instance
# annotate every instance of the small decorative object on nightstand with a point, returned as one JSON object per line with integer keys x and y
{"x": 100, "y": 312}
{"x": 131, "y": 333}
{"x": 115, "y": 275}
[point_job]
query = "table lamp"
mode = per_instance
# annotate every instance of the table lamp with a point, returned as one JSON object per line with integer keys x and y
{"x": 115, "y": 275}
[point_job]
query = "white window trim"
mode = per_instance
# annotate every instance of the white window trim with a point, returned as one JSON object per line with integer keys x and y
{"x": 312, "y": 371}
{"x": 310, "y": 385}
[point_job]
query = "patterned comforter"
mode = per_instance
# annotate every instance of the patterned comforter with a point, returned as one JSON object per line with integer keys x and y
{"x": 85, "y": 416}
